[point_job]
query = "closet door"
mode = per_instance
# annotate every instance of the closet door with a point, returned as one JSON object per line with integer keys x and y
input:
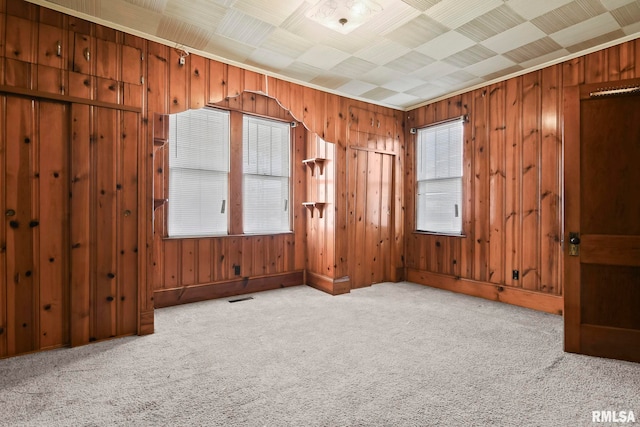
{"x": 104, "y": 229}
{"x": 35, "y": 200}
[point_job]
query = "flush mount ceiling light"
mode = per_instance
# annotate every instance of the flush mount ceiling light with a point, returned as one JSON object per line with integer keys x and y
{"x": 343, "y": 16}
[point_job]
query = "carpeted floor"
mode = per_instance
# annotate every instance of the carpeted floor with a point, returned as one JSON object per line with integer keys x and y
{"x": 390, "y": 355}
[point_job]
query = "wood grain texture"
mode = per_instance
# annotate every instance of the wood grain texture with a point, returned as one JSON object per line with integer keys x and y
{"x": 524, "y": 192}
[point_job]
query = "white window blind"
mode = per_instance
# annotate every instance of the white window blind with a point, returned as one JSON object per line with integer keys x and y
{"x": 439, "y": 178}
{"x": 198, "y": 172}
{"x": 266, "y": 145}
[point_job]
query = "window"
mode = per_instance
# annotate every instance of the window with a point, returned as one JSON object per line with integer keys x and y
{"x": 266, "y": 146}
{"x": 198, "y": 172}
{"x": 439, "y": 178}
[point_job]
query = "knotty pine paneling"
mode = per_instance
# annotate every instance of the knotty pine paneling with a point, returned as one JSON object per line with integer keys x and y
{"x": 85, "y": 255}
{"x": 513, "y": 192}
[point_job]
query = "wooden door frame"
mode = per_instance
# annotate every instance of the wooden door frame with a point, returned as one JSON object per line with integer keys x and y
{"x": 351, "y": 222}
{"x": 573, "y": 95}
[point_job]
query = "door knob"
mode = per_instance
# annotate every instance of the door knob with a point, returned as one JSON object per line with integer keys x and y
{"x": 574, "y": 240}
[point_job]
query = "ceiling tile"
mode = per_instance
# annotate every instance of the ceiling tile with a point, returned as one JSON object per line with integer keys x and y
{"x": 632, "y": 29}
{"x": 410, "y": 62}
{"x": 286, "y": 43}
{"x": 379, "y": 76}
{"x": 417, "y": 32}
{"x": 301, "y": 71}
{"x": 455, "y": 13}
{"x": 154, "y": 5}
{"x": 330, "y": 81}
{"x": 200, "y": 13}
{"x": 275, "y": 12}
{"x": 445, "y": 45}
{"x": 490, "y": 65}
{"x": 230, "y": 49}
{"x": 402, "y": 99}
{"x": 454, "y": 78}
{"x": 244, "y": 28}
{"x": 379, "y": 93}
{"x": 514, "y": 37}
{"x": 596, "y": 41}
{"x": 470, "y": 56}
{"x": 269, "y": 60}
{"x": 594, "y": 27}
{"x": 421, "y": 5}
{"x": 427, "y": 91}
{"x": 403, "y": 84}
{"x": 131, "y": 16}
{"x": 491, "y": 23}
{"x": 502, "y": 73}
{"x": 353, "y": 67}
{"x": 88, "y": 7}
{"x": 543, "y": 59}
{"x": 627, "y": 15}
{"x": 568, "y": 15}
{"x": 392, "y": 18}
{"x": 323, "y": 57}
{"x": 530, "y": 9}
{"x": 382, "y": 52}
{"x": 183, "y": 33}
{"x": 356, "y": 87}
{"x": 533, "y": 50}
{"x": 435, "y": 70}
{"x": 614, "y": 4}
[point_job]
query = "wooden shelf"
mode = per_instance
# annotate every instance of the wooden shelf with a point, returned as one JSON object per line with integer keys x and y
{"x": 316, "y": 162}
{"x": 158, "y": 203}
{"x": 158, "y": 142}
{"x": 317, "y": 205}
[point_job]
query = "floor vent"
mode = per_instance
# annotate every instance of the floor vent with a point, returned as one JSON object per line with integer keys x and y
{"x": 240, "y": 299}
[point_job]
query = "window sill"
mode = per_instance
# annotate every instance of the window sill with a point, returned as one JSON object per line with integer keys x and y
{"x": 218, "y": 236}
{"x": 432, "y": 233}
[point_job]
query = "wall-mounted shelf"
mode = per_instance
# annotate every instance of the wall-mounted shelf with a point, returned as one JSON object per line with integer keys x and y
{"x": 158, "y": 203}
{"x": 316, "y": 162}
{"x": 158, "y": 142}
{"x": 317, "y": 205}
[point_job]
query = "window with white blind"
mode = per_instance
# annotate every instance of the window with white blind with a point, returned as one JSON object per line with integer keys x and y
{"x": 198, "y": 172}
{"x": 265, "y": 201}
{"x": 439, "y": 178}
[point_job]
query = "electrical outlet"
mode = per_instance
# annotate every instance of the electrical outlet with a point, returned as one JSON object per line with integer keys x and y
{"x": 516, "y": 275}
{"x": 236, "y": 270}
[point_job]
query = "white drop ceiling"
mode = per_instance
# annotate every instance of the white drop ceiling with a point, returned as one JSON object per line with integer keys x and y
{"x": 408, "y": 54}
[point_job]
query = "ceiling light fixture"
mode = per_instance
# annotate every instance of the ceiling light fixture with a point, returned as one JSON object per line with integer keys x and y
{"x": 343, "y": 16}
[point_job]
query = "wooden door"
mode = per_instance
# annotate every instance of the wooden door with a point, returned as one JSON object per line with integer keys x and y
{"x": 34, "y": 174}
{"x": 370, "y": 217}
{"x": 104, "y": 229}
{"x": 602, "y": 228}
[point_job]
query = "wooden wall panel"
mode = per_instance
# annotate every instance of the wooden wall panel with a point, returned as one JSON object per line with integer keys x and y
{"x": 523, "y": 188}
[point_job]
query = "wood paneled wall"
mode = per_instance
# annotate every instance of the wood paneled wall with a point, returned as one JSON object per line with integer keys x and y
{"x": 72, "y": 255}
{"x": 513, "y": 190}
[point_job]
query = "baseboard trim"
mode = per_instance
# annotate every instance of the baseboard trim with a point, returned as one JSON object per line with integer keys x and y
{"x": 146, "y": 323}
{"x": 169, "y": 297}
{"x": 328, "y": 284}
{"x": 534, "y": 300}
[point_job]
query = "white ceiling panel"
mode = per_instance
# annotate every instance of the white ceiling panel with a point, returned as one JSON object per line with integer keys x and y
{"x": 455, "y": 13}
{"x": 594, "y": 27}
{"x": 323, "y": 57}
{"x": 445, "y": 45}
{"x": 530, "y": 9}
{"x": 201, "y": 13}
{"x": 489, "y": 66}
{"x": 408, "y": 54}
{"x": 154, "y": 5}
{"x": 514, "y": 37}
{"x": 382, "y": 52}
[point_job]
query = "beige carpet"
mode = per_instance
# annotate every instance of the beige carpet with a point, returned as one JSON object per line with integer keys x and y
{"x": 390, "y": 355}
